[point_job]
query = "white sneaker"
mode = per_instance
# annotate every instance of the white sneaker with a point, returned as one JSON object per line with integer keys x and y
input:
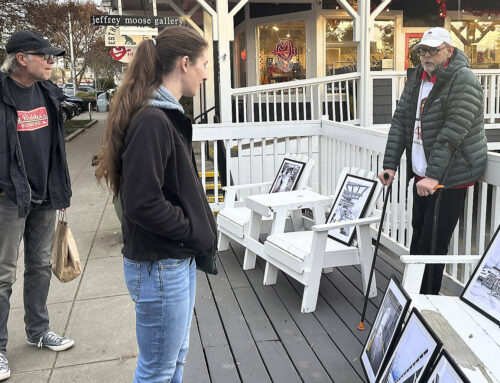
{"x": 53, "y": 341}
{"x": 4, "y": 367}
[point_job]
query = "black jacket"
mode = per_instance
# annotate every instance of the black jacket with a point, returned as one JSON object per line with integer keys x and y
{"x": 165, "y": 211}
{"x": 13, "y": 179}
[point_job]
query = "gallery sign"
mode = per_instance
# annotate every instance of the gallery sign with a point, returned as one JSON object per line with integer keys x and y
{"x": 122, "y": 54}
{"x": 118, "y": 37}
{"x": 136, "y": 21}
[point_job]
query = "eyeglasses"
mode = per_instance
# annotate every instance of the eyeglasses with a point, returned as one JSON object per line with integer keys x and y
{"x": 431, "y": 51}
{"x": 45, "y": 56}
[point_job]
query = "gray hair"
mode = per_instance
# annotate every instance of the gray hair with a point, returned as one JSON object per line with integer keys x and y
{"x": 10, "y": 64}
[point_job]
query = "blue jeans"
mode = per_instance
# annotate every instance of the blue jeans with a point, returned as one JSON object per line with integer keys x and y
{"x": 163, "y": 292}
{"x": 37, "y": 229}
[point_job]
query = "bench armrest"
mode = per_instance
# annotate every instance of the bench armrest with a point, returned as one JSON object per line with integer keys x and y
{"x": 246, "y": 186}
{"x": 415, "y": 267}
{"x": 341, "y": 224}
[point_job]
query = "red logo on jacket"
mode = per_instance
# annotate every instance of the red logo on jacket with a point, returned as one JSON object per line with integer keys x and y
{"x": 30, "y": 120}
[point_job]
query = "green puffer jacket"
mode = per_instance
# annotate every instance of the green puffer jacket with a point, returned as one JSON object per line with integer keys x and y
{"x": 452, "y": 119}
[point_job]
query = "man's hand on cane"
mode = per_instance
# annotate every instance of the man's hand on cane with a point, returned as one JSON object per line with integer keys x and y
{"x": 388, "y": 181}
{"x": 426, "y": 186}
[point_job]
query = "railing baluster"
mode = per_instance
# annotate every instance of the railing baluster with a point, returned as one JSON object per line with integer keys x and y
{"x": 237, "y": 111}
{"x": 240, "y": 164}
{"x": 334, "y": 112}
{"x": 304, "y": 99}
{"x": 297, "y": 117}
{"x": 354, "y": 100}
{"x": 341, "y": 101}
{"x": 274, "y": 106}
{"x": 252, "y": 155}
{"x": 348, "y": 101}
{"x": 260, "y": 107}
{"x": 263, "y": 157}
{"x": 267, "y": 107}
{"x": 203, "y": 169}
{"x": 481, "y": 217}
{"x": 245, "y": 106}
{"x": 289, "y": 104}
{"x": 282, "y": 106}
{"x": 228, "y": 144}
{"x": 252, "y": 118}
{"x": 216, "y": 174}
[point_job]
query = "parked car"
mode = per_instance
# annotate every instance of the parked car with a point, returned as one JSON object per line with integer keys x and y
{"x": 78, "y": 102}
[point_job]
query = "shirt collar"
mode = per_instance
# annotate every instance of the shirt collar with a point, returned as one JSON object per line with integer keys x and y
{"x": 433, "y": 78}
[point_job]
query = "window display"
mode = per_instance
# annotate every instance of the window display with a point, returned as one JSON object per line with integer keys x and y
{"x": 282, "y": 52}
{"x": 480, "y": 40}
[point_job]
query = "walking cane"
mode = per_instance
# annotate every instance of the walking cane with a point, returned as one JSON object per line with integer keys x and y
{"x": 438, "y": 189}
{"x": 361, "y": 325}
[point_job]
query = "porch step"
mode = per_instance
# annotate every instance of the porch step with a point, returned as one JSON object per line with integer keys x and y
{"x": 211, "y": 198}
{"x": 210, "y": 187}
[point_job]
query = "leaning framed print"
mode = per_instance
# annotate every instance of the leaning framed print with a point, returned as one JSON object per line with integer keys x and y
{"x": 446, "y": 371}
{"x": 483, "y": 288}
{"x": 350, "y": 204}
{"x": 415, "y": 350}
{"x": 385, "y": 329}
{"x": 288, "y": 176}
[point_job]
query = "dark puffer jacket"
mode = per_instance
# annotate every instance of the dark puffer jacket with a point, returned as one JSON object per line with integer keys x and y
{"x": 452, "y": 119}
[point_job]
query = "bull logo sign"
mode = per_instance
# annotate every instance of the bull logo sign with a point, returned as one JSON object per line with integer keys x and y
{"x": 285, "y": 51}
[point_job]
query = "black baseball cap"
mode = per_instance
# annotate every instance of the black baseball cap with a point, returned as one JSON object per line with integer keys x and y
{"x": 24, "y": 41}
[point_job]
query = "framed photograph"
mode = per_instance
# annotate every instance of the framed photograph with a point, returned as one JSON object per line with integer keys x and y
{"x": 350, "y": 203}
{"x": 483, "y": 289}
{"x": 415, "y": 351}
{"x": 288, "y": 176}
{"x": 446, "y": 371}
{"x": 385, "y": 329}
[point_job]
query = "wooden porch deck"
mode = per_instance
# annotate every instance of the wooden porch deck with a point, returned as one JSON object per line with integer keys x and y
{"x": 244, "y": 331}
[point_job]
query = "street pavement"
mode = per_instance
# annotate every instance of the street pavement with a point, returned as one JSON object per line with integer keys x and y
{"x": 94, "y": 309}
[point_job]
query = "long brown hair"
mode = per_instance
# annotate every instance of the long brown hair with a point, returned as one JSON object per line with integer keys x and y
{"x": 151, "y": 62}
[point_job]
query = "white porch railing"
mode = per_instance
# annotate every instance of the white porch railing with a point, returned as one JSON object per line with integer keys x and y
{"x": 336, "y": 97}
{"x": 255, "y": 150}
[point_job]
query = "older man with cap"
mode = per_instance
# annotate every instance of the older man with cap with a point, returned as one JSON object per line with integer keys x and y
{"x": 34, "y": 182}
{"x": 439, "y": 121}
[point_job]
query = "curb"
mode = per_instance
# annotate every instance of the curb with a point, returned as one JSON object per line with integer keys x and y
{"x": 78, "y": 131}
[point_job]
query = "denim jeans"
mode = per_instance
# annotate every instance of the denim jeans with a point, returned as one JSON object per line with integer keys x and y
{"x": 38, "y": 232}
{"x": 163, "y": 292}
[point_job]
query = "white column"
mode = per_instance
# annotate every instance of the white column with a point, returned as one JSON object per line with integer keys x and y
{"x": 210, "y": 83}
{"x": 224, "y": 61}
{"x": 366, "y": 86}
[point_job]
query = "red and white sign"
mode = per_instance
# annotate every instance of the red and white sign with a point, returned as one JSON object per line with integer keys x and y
{"x": 30, "y": 120}
{"x": 122, "y": 54}
{"x": 285, "y": 51}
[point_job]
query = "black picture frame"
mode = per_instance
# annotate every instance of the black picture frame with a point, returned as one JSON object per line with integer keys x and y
{"x": 288, "y": 176}
{"x": 346, "y": 207}
{"x": 385, "y": 330}
{"x": 445, "y": 361}
{"x": 416, "y": 330}
{"x": 485, "y": 280}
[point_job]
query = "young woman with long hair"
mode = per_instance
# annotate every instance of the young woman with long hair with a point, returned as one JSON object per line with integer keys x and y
{"x": 147, "y": 160}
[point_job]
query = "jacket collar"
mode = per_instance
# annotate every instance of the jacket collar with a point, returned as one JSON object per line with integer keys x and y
{"x": 52, "y": 91}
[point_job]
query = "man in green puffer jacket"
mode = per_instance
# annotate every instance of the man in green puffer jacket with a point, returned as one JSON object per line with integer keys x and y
{"x": 439, "y": 121}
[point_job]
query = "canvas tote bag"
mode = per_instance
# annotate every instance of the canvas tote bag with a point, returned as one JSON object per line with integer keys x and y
{"x": 65, "y": 259}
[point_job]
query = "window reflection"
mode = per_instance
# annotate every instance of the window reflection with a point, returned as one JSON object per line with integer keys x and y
{"x": 282, "y": 50}
{"x": 480, "y": 40}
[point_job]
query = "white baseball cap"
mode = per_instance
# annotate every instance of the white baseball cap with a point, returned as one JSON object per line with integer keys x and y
{"x": 434, "y": 37}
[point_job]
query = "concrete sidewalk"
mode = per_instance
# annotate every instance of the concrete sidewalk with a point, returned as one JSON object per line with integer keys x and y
{"x": 95, "y": 309}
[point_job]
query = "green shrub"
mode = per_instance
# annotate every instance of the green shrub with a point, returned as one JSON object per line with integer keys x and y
{"x": 105, "y": 84}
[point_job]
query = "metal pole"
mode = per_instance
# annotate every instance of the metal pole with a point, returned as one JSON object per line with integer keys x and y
{"x": 73, "y": 74}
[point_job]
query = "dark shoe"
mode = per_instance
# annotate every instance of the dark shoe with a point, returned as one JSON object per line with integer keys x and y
{"x": 53, "y": 341}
